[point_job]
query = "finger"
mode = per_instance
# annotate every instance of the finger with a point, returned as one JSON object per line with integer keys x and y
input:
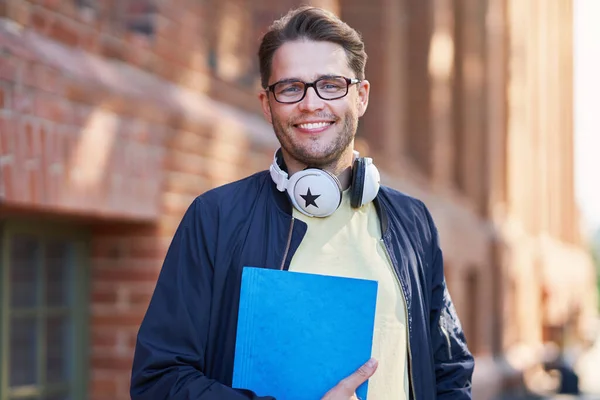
{"x": 360, "y": 375}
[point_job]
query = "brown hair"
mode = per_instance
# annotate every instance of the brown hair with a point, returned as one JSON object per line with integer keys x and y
{"x": 313, "y": 24}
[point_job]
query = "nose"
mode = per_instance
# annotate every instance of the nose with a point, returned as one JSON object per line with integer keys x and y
{"x": 311, "y": 102}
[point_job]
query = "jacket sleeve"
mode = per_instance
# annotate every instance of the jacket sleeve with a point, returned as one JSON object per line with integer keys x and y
{"x": 169, "y": 358}
{"x": 454, "y": 363}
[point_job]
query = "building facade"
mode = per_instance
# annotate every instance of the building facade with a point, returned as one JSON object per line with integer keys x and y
{"x": 114, "y": 115}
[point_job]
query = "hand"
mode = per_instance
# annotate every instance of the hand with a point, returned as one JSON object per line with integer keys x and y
{"x": 346, "y": 389}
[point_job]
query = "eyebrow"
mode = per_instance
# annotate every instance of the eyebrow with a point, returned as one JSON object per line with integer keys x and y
{"x": 289, "y": 80}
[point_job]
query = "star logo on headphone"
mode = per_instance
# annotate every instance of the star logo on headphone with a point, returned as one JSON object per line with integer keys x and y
{"x": 309, "y": 198}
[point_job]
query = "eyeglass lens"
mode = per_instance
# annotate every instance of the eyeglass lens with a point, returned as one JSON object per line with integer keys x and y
{"x": 327, "y": 88}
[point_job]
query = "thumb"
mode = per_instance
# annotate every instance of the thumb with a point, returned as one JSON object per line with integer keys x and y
{"x": 359, "y": 376}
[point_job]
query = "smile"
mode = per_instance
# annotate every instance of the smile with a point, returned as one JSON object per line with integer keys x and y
{"x": 314, "y": 125}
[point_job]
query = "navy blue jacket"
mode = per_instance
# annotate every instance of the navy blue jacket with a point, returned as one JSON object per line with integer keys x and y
{"x": 185, "y": 345}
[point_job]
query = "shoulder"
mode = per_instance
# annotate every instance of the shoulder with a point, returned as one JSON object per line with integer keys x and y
{"x": 410, "y": 210}
{"x": 401, "y": 201}
{"x": 240, "y": 190}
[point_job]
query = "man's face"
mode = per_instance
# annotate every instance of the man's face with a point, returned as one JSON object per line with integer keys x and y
{"x": 314, "y": 132}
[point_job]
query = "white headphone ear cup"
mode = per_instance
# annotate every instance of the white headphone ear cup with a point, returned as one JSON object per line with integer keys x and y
{"x": 315, "y": 192}
{"x": 371, "y": 182}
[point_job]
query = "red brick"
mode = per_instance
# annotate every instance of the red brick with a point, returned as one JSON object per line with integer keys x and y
{"x": 139, "y": 55}
{"x": 34, "y": 186}
{"x": 69, "y": 9}
{"x": 54, "y": 108}
{"x": 65, "y": 30}
{"x": 7, "y": 174}
{"x": 104, "y": 338}
{"x": 8, "y": 135}
{"x": 188, "y": 163}
{"x": 177, "y": 204}
{"x": 4, "y": 96}
{"x": 69, "y": 142}
{"x": 48, "y": 79}
{"x": 131, "y": 274}
{"x": 168, "y": 224}
{"x": 50, "y": 142}
{"x": 115, "y": 320}
{"x": 103, "y": 388}
{"x": 147, "y": 249}
{"x": 111, "y": 362}
{"x": 20, "y": 151}
{"x": 54, "y": 187}
{"x": 28, "y": 75}
{"x": 89, "y": 41}
{"x": 10, "y": 65}
{"x": 124, "y": 231}
{"x": 139, "y": 297}
{"x": 44, "y": 107}
{"x": 31, "y": 140}
{"x": 43, "y": 135}
{"x": 130, "y": 337}
{"x": 111, "y": 47}
{"x": 189, "y": 141}
{"x": 105, "y": 295}
{"x": 23, "y": 100}
{"x": 41, "y": 19}
{"x": 111, "y": 249}
{"x": 54, "y": 5}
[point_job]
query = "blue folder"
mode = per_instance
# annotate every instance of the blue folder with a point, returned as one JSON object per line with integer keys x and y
{"x": 299, "y": 334}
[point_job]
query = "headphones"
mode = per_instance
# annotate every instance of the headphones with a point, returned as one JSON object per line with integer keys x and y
{"x": 318, "y": 193}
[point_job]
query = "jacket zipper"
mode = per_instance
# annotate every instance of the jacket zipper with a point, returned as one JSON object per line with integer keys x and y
{"x": 445, "y": 331}
{"x": 287, "y": 246}
{"x": 410, "y": 362}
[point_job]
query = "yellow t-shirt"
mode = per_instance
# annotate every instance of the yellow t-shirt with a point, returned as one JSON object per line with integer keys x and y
{"x": 348, "y": 243}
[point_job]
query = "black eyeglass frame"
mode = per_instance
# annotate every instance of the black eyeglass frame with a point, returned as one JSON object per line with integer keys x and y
{"x": 349, "y": 82}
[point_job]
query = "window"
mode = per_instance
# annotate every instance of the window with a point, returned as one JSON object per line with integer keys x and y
{"x": 43, "y": 305}
{"x": 134, "y": 15}
{"x": 139, "y": 15}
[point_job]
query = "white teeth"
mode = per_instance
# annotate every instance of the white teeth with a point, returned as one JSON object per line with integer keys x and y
{"x": 317, "y": 125}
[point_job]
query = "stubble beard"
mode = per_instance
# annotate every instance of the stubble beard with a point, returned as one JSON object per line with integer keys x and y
{"x": 313, "y": 155}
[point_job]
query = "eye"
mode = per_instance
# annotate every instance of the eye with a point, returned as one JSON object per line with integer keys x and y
{"x": 289, "y": 88}
{"x": 332, "y": 85}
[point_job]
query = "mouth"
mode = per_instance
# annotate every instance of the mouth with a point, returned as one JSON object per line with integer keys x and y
{"x": 314, "y": 127}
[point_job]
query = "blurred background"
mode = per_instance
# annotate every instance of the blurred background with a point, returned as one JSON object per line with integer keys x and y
{"x": 115, "y": 114}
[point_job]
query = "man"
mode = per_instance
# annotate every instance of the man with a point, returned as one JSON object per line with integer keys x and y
{"x": 318, "y": 209}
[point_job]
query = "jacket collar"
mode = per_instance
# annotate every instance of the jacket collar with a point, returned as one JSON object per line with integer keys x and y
{"x": 281, "y": 198}
{"x": 382, "y": 213}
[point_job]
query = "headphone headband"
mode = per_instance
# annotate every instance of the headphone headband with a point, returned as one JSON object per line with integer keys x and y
{"x": 279, "y": 176}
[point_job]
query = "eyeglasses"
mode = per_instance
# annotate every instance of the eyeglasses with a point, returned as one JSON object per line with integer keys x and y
{"x": 289, "y": 91}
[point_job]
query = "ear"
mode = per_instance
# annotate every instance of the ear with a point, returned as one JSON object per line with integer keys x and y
{"x": 363, "y": 96}
{"x": 263, "y": 96}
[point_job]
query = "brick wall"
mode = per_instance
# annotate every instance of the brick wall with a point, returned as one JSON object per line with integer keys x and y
{"x": 124, "y": 130}
{"x": 117, "y": 129}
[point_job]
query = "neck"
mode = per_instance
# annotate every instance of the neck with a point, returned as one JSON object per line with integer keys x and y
{"x": 342, "y": 167}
